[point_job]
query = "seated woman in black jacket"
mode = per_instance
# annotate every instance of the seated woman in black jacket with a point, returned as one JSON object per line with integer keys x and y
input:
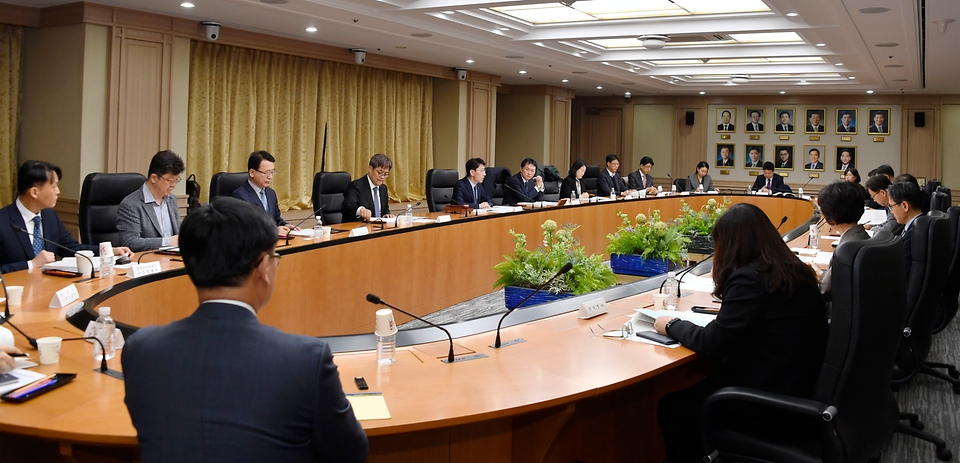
{"x": 571, "y": 186}
{"x": 771, "y": 332}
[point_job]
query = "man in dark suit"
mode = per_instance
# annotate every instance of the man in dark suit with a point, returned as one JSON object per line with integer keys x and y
{"x": 724, "y": 157}
{"x": 845, "y": 160}
{"x": 641, "y": 179}
{"x": 815, "y": 126}
{"x": 261, "y": 168}
{"x": 609, "y": 181}
{"x": 725, "y": 126}
{"x": 366, "y": 197}
{"x": 879, "y": 125}
{"x": 754, "y": 125}
{"x": 786, "y": 159}
{"x": 149, "y": 218}
{"x": 785, "y": 125}
{"x": 814, "y": 164}
{"x": 877, "y": 186}
{"x": 846, "y": 123}
{"x": 37, "y": 193}
{"x": 469, "y": 189}
{"x": 220, "y": 386}
{"x": 754, "y": 161}
{"x": 768, "y": 181}
{"x": 526, "y": 186}
{"x": 905, "y": 199}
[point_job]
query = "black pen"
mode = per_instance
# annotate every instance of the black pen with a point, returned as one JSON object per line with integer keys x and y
{"x": 176, "y": 260}
{"x": 20, "y": 354}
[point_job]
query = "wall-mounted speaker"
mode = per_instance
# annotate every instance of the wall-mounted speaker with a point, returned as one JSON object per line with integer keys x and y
{"x": 919, "y": 119}
{"x": 690, "y": 118}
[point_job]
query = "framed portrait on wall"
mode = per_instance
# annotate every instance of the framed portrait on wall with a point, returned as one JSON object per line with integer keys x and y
{"x": 813, "y": 157}
{"x": 846, "y": 158}
{"x": 815, "y": 119}
{"x": 846, "y": 120}
{"x": 784, "y": 120}
{"x": 879, "y": 121}
{"x": 754, "y": 120}
{"x": 783, "y": 155}
{"x": 726, "y": 120}
{"x": 754, "y": 157}
{"x": 725, "y": 154}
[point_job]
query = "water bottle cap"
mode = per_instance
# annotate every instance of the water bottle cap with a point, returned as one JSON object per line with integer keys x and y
{"x": 671, "y": 274}
{"x": 105, "y": 311}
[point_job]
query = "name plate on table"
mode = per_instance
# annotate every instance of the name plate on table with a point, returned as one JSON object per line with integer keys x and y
{"x": 64, "y": 297}
{"x": 139, "y": 270}
{"x": 359, "y": 231}
{"x": 592, "y": 308}
{"x": 443, "y": 218}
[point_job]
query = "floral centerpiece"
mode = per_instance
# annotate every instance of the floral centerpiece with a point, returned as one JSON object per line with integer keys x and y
{"x": 647, "y": 247}
{"x": 526, "y": 270}
{"x": 698, "y": 225}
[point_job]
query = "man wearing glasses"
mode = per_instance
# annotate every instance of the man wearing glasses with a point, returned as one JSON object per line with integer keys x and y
{"x": 148, "y": 218}
{"x": 905, "y": 199}
{"x": 257, "y": 191}
{"x": 366, "y": 197}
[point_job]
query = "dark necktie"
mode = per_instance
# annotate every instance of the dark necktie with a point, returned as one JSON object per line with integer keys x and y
{"x": 37, "y": 236}
{"x": 263, "y": 200}
{"x": 476, "y": 194}
{"x": 376, "y": 202}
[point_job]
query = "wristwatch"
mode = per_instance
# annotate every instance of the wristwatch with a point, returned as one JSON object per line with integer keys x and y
{"x": 666, "y": 328}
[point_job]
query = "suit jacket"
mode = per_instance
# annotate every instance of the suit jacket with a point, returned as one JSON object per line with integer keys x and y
{"x": 727, "y": 162}
{"x": 139, "y": 226}
{"x": 843, "y": 167}
{"x": 784, "y": 165}
{"x": 810, "y": 165}
{"x": 781, "y": 129}
{"x": 770, "y": 341}
{"x": 633, "y": 180}
{"x": 246, "y": 193}
{"x": 218, "y": 386}
{"x": 776, "y": 183}
{"x": 528, "y": 190}
{"x": 693, "y": 183}
{"x": 359, "y": 193}
{"x": 907, "y": 238}
{"x": 463, "y": 193}
{"x": 758, "y": 164}
{"x": 854, "y": 233}
{"x": 818, "y": 130}
{"x": 607, "y": 184}
{"x": 730, "y": 128}
{"x": 569, "y": 185}
{"x": 852, "y": 129}
{"x": 16, "y": 248}
{"x": 881, "y": 129}
{"x": 891, "y": 225}
{"x": 750, "y": 127}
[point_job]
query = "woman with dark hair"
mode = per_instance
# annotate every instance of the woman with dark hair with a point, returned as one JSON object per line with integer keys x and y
{"x": 770, "y": 334}
{"x": 853, "y": 176}
{"x": 700, "y": 181}
{"x": 841, "y": 204}
{"x": 571, "y": 183}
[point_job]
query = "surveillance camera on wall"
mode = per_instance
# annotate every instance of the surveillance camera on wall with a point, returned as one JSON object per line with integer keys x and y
{"x": 461, "y": 73}
{"x": 359, "y": 55}
{"x": 210, "y": 30}
{"x": 626, "y": 97}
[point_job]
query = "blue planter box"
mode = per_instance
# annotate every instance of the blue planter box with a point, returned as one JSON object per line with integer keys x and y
{"x": 633, "y": 264}
{"x": 514, "y": 294}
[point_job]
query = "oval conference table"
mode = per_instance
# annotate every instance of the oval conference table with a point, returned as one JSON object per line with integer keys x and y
{"x": 563, "y": 394}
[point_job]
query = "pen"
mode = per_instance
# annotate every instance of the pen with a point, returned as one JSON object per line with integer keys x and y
{"x": 176, "y": 260}
{"x": 20, "y": 354}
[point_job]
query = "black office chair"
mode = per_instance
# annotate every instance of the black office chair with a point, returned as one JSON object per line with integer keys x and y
{"x": 223, "y": 183}
{"x": 681, "y": 184}
{"x": 440, "y": 184}
{"x": 951, "y": 292}
{"x": 941, "y": 200}
{"x": 328, "y": 188}
{"x": 100, "y": 196}
{"x": 494, "y": 181}
{"x": 853, "y": 412}
{"x": 588, "y": 183}
{"x": 551, "y": 190}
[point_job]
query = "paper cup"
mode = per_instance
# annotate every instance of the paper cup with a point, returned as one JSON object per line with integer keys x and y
{"x": 106, "y": 249}
{"x": 385, "y": 323}
{"x": 84, "y": 265}
{"x": 49, "y": 348}
{"x": 15, "y": 295}
{"x": 660, "y": 301}
{"x": 327, "y": 231}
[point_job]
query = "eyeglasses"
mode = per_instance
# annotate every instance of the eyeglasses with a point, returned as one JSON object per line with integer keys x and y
{"x": 171, "y": 181}
{"x": 382, "y": 173}
{"x": 625, "y": 331}
{"x": 269, "y": 173}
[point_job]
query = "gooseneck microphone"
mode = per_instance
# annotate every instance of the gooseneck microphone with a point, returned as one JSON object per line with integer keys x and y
{"x": 103, "y": 359}
{"x": 808, "y": 182}
{"x": 374, "y": 299}
{"x": 566, "y": 268}
{"x": 93, "y": 269}
{"x": 31, "y": 340}
{"x": 520, "y": 193}
{"x": 782, "y": 221}
{"x": 314, "y": 215}
{"x": 6, "y": 300}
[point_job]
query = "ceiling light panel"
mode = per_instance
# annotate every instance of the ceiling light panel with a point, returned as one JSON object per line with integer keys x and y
{"x": 767, "y": 37}
{"x": 602, "y": 10}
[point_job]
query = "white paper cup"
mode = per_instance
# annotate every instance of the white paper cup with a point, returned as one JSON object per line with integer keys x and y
{"x": 49, "y": 348}
{"x": 385, "y": 323}
{"x": 84, "y": 265}
{"x": 660, "y": 301}
{"x": 106, "y": 249}
{"x": 327, "y": 231}
{"x": 14, "y": 295}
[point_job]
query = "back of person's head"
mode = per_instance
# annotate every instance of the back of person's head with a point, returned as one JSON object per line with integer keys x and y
{"x": 743, "y": 236}
{"x": 907, "y": 178}
{"x": 841, "y": 202}
{"x": 855, "y": 172}
{"x": 702, "y": 164}
{"x": 646, "y": 160}
{"x": 222, "y": 242}
{"x": 256, "y": 157}
{"x": 165, "y": 162}
{"x": 885, "y": 170}
{"x": 612, "y": 157}
{"x": 877, "y": 183}
{"x": 36, "y": 174}
{"x": 527, "y": 161}
{"x": 768, "y": 166}
{"x": 906, "y": 192}
{"x": 872, "y": 173}
{"x": 381, "y": 160}
{"x": 575, "y": 167}
{"x": 474, "y": 164}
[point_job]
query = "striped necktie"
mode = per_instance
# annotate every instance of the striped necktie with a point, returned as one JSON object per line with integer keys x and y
{"x": 263, "y": 200}
{"x": 37, "y": 236}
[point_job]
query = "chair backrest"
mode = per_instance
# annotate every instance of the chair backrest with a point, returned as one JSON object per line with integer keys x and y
{"x": 224, "y": 183}
{"x": 494, "y": 181}
{"x": 440, "y": 184}
{"x": 681, "y": 184}
{"x": 951, "y": 290}
{"x": 328, "y": 188}
{"x": 869, "y": 299}
{"x": 589, "y": 180}
{"x": 100, "y": 196}
{"x": 942, "y": 199}
{"x": 932, "y": 251}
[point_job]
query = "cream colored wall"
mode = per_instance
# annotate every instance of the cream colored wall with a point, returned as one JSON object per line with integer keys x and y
{"x": 449, "y": 124}
{"x": 179, "y": 97}
{"x": 651, "y": 125}
{"x": 96, "y": 97}
{"x": 951, "y": 153}
{"x": 522, "y": 130}
{"x": 52, "y": 100}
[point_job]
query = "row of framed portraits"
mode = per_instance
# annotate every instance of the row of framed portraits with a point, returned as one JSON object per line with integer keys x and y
{"x": 813, "y": 157}
{"x": 814, "y": 121}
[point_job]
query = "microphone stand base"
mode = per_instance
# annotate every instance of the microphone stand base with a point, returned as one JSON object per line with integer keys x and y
{"x": 6, "y": 316}
{"x": 111, "y": 373}
{"x": 465, "y": 358}
{"x": 508, "y": 343}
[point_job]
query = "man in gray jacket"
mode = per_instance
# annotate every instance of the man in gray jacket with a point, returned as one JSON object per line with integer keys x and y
{"x": 148, "y": 218}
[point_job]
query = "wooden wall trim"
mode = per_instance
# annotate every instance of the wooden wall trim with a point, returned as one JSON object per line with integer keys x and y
{"x": 16, "y": 15}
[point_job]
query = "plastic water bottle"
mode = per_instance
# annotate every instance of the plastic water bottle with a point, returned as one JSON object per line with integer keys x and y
{"x": 409, "y": 215}
{"x": 104, "y": 329}
{"x": 318, "y": 228}
{"x": 386, "y": 349}
{"x": 671, "y": 287}
{"x": 814, "y": 237}
{"x": 613, "y": 195}
{"x": 659, "y": 189}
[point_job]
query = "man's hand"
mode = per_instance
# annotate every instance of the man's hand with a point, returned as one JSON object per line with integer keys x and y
{"x": 7, "y": 362}
{"x": 661, "y": 324}
{"x": 122, "y": 251}
{"x": 43, "y": 258}
{"x": 484, "y": 205}
{"x": 651, "y": 191}
{"x": 539, "y": 181}
{"x": 388, "y": 216}
{"x": 282, "y": 230}
{"x": 364, "y": 213}
{"x": 175, "y": 240}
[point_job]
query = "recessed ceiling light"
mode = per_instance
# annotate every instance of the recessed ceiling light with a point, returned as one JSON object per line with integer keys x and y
{"x": 604, "y": 62}
{"x": 852, "y": 78}
{"x": 887, "y": 44}
{"x": 869, "y": 91}
{"x": 504, "y": 28}
{"x": 448, "y": 12}
{"x": 470, "y": 61}
{"x": 838, "y": 64}
{"x": 311, "y": 29}
{"x": 523, "y": 72}
{"x": 782, "y": 92}
{"x": 187, "y": 5}
{"x": 792, "y": 14}
{"x": 874, "y": 10}
{"x": 599, "y": 87}
{"x": 626, "y": 94}
{"x": 653, "y": 77}
{"x": 703, "y": 93}
{"x": 821, "y": 44}
{"x": 565, "y": 80}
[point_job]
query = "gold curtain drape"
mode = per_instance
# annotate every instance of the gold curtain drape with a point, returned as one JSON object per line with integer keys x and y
{"x": 11, "y": 38}
{"x": 243, "y": 100}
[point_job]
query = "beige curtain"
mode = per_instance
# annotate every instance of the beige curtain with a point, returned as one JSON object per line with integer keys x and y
{"x": 11, "y": 38}
{"x": 243, "y": 100}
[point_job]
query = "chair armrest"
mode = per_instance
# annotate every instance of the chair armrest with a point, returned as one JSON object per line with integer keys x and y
{"x": 781, "y": 401}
